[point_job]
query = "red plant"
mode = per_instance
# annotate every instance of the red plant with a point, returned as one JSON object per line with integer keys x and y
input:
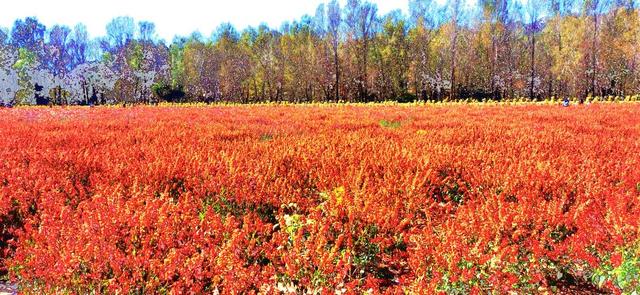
{"x": 257, "y": 199}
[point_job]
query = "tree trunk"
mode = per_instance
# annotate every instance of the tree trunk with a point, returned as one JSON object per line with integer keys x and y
{"x": 365, "y": 50}
{"x": 594, "y": 53}
{"x": 337, "y": 73}
{"x": 452, "y": 94}
{"x": 533, "y": 64}
{"x": 494, "y": 59}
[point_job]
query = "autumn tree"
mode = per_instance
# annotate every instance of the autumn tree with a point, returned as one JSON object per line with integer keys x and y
{"x": 360, "y": 19}
{"x": 334, "y": 16}
{"x": 424, "y": 23}
{"x": 455, "y": 15}
{"x": 391, "y": 58}
{"x": 593, "y": 10}
{"x": 59, "y": 59}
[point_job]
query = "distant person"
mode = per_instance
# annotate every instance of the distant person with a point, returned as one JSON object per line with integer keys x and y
{"x": 565, "y": 102}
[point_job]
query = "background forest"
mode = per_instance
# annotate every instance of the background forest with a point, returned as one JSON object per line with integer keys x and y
{"x": 492, "y": 49}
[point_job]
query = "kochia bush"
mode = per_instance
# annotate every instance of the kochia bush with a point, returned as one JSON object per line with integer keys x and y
{"x": 260, "y": 199}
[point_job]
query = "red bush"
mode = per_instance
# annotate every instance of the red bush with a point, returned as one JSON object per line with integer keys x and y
{"x": 263, "y": 198}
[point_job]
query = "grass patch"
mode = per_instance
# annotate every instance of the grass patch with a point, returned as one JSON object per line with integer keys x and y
{"x": 266, "y": 137}
{"x": 390, "y": 124}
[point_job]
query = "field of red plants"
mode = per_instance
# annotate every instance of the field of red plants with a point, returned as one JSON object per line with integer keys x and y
{"x": 345, "y": 199}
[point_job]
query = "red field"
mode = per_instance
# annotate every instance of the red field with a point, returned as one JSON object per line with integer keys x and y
{"x": 257, "y": 199}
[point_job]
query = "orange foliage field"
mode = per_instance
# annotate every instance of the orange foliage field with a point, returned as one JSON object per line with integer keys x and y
{"x": 325, "y": 199}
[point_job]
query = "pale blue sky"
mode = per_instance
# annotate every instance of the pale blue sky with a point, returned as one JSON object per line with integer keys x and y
{"x": 170, "y": 16}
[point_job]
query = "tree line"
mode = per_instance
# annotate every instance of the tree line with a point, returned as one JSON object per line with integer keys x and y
{"x": 494, "y": 49}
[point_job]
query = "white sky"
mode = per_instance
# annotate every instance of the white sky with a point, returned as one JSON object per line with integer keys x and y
{"x": 172, "y": 17}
